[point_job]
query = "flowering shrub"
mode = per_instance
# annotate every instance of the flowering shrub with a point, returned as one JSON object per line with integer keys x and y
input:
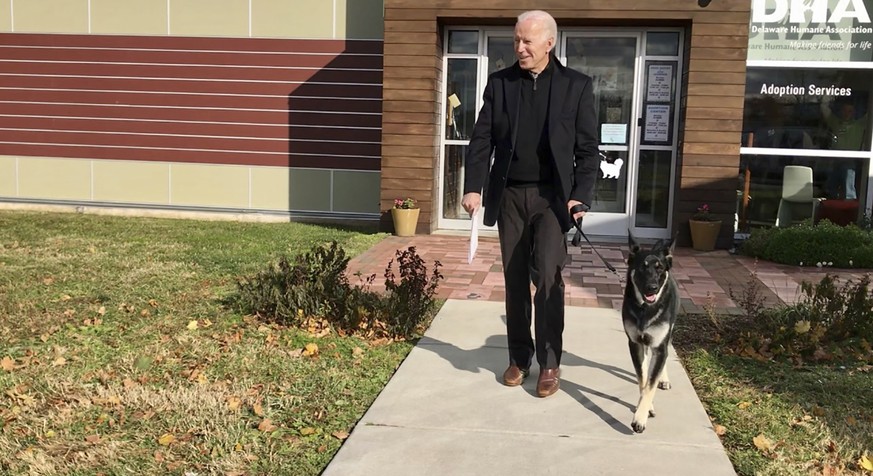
{"x": 405, "y": 203}
{"x": 703, "y": 214}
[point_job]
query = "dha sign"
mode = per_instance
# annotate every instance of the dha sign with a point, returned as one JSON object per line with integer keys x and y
{"x": 797, "y": 10}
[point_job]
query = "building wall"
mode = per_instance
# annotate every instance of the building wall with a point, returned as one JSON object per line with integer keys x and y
{"x": 260, "y": 104}
{"x": 709, "y": 151}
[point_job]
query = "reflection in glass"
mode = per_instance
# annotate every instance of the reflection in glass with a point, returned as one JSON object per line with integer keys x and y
{"x": 464, "y": 42}
{"x": 610, "y": 63}
{"x": 662, "y": 43}
{"x": 453, "y": 182}
{"x": 653, "y": 188}
{"x": 825, "y": 109}
{"x": 501, "y": 53}
{"x": 839, "y": 181}
{"x": 460, "y": 98}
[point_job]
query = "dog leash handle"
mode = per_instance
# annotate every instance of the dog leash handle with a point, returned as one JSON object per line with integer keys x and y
{"x": 577, "y": 237}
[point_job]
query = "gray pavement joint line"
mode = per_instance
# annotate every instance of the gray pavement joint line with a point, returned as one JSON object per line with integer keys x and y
{"x": 449, "y": 344}
{"x": 539, "y": 434}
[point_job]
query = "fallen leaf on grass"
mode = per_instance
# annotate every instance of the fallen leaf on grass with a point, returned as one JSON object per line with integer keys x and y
{"x": 720, "y": 430}
{"x": 310, "y": 350}
{"x": 357, "y": 352}
{"x": 192, "y": 325}
{"x": 166, "y": 439}
{"x": 233, "y": 403}
{"x": 267, "y": 426}
{"x": 307, "y": 431}
{"x": 340, "y": 435}
{"x": 865, "y": 463}
{"x": 851, "y": 421}
{"x": 159, "y": 457}
{"x": 60, "y": 361}
{"x": 258, "y": 409}
{"x": 763, "y": 443}
{"x": 744, "y": 405}
{"x": 93, "y": 439}
{"x": 818, "y": 411}
{"x": 7, "y": 364}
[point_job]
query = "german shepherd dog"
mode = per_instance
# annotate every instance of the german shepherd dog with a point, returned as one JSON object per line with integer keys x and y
{"x": 651, "y": 300}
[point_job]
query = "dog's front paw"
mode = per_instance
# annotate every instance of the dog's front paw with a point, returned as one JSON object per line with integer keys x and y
{"x": 664, "y": 385}
{"x": 639, "y": 422}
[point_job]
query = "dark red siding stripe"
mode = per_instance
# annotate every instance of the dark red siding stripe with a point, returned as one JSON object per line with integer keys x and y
{"x": 264, "y": 45}
{"x": 311, "y": 103}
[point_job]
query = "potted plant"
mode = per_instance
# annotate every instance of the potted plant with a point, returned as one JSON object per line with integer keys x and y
{"x": 705, "y": 228}
{"x": 405, "y": 216}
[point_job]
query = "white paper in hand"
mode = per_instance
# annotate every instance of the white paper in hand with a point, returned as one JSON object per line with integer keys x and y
{"x": 474, "y": 236}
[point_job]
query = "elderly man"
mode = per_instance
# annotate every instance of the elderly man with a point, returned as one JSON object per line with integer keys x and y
{"x": 539, "y": 123}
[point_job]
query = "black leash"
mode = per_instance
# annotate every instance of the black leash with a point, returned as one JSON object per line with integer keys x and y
{"x": 577, "y": 238}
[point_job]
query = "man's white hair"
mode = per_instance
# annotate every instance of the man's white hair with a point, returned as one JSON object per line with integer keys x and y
{"x": 545, "y": 19}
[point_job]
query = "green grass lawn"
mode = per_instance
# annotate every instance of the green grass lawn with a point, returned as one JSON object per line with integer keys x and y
{"x": 119, "y": 355}
{"x": 779, "y": 418}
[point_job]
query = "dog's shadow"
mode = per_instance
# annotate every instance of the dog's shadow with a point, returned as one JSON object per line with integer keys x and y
{"x": 482, "y": 360}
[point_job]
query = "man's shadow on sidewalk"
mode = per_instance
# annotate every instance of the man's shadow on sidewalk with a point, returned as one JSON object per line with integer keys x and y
{"x": 477, "y": 360}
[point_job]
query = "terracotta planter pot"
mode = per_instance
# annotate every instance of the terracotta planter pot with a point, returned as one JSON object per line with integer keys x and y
{"x": 405, "y": 221}
{"x": 704, "y": 234}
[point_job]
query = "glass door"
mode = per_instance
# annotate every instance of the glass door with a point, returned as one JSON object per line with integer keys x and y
{"x": 610, "y": 59}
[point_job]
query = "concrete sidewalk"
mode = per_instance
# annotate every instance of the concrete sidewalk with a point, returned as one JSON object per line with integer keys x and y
{"x": 446, "y": 412}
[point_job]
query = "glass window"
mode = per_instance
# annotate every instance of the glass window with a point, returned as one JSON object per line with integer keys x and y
{"x": 464, "y": 42}
{"x": 662, "y": 43}
{"x": 460, "y": 98}
{"x": 838, "y": 186}
{"x": 806, "y": 108}
{"x": 501, "y": 53}
{"x": 653, "y": 188}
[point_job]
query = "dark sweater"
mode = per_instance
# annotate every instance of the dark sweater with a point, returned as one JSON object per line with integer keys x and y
{"x": 531, "y": 162}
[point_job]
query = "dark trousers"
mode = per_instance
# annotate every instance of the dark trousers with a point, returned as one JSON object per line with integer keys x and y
{"x": 534, "y": 250}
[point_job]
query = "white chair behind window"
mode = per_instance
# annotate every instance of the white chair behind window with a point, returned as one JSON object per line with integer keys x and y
{"x": 797, "y": 201}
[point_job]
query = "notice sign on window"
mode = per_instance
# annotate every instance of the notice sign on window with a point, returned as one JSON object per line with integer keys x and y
{"x": 660, "y": 83}
{"x": 657, "y": 123}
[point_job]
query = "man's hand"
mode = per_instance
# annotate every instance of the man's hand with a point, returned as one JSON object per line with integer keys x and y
{"x": 471, "y": 202}
{"x": 570, "y": 205}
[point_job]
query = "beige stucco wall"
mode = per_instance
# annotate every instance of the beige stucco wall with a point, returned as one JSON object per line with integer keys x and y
{"x": 237, "y": 187}
{"x": 309, "y": 19}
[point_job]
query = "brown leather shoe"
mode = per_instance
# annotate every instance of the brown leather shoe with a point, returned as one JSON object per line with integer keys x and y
{"x": 514, "y": 376}
{"x": 548, "y": 382}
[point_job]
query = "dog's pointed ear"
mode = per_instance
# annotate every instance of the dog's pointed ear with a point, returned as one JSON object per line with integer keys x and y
{"x": 632, "y": 243}
{"x": 668, "y": 251}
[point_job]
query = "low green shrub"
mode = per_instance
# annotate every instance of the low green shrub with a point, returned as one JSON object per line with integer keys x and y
{"x": 829, "y": 322}
{"x": 807, "y": 245}
{"x": 315, "y": 285}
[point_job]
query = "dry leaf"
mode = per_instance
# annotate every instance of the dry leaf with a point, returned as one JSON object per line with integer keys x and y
{"x": 818, "y": 411}
{"x": 307, "y": 431}
{"x": 832, "y": 447}
{"x": 865, "y": 463}
{"x": 159, "y": 457}
{"x": 93, "y": 439}
{"x": 762, "y": 443}
{"x": 192, "y": 325}
{"x": 7, "y": 363}
{"x": 59, "y": 362}
{"x": 258, "y": 409}
{"x": 267, "y": 426}
{"x": 166, "y": 439}
{"x": 48, "y": 281}
{"x": 357, "y": 351}
{"x": 720, "y": 430}
{"x": 310, "y": 350}
{"x": 340, "y": 435}
{"x": 802, "y": 327}
{"x": 851, "y": 421}
{"x": 743, "y": 405}
{"x": 233, "y": 403}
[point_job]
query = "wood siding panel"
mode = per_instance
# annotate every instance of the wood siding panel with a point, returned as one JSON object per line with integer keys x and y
{"x": 305, "y": 103}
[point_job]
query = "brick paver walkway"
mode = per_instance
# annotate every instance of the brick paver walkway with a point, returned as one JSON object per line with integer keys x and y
{"x": 706, "y": 279}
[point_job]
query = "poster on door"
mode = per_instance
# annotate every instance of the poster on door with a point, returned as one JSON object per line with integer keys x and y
{"x": 660, "y": 82}
{"x": 657, "y": 124}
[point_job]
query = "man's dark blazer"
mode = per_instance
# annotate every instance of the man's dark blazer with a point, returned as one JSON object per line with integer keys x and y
{"x": 572, "y": 127}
